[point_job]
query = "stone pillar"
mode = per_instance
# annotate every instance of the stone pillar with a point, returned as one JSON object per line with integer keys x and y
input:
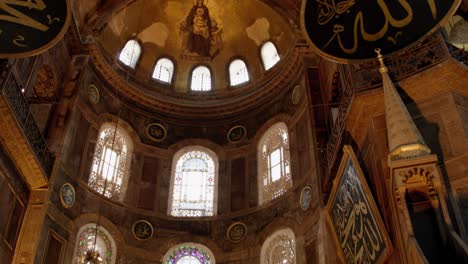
{"x": 31, "y": 228}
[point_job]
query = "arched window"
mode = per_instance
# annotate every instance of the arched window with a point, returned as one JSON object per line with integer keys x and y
{"x": 280, "y": 247}
{"x": 194, "y": 181}
{"x": 86, "y": 240}
{"x": 130, "y": 53}
{"x": 164, "y": 70}
{"x": 111, "y": 162}
{"x": 189, "y": 253}
{"x": 270, "y": 55}
{"x": 274, "y": 172}
{"x": 238, "y": 72}
{"x": 201, "y": 79}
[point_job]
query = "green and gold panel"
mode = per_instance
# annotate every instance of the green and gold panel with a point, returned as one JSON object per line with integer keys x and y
{"x": 349, "y": 30}
{"x": 30, "y": 27}
{"x": 351, "y": 211}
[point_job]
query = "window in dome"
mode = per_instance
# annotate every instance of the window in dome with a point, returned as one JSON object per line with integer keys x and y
{"x": 193, "y": 183}
{"x": 279, "y": 248}
{"x": 238, "y": 72}
{"x": 201, "y": 79}
{"x": 110, "y": 162}
{"x": 189, "y": 253}
{"x": 85, "y": 240}
{"x": 163, "y": 70}
{"x": 130, "y": 53}
{"x": 270, "y": 56}
{"x": 274, "y": 171}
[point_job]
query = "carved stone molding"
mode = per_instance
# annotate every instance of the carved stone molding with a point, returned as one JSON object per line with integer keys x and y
{"x": 274, "y": 84}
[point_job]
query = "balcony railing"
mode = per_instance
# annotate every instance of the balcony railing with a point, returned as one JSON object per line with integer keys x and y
{"x": 11, "y": 92}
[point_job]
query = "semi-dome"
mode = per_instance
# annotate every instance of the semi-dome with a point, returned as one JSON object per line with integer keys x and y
{"x": 197, "y": 53}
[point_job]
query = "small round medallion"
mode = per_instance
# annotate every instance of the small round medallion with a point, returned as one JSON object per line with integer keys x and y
{"x": 93, "y": 94}
{"x": 67, "y": 195}
{"x": 237, "y": 232}
{"x": 156, "y": 132}
{"x": 306, "y": 196}
{"x": 236, "y": 134}
{"x": 296, "y": 94}
{"x": 142, "y": 230}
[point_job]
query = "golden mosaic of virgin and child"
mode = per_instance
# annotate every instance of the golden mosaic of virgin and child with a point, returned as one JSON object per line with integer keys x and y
{"x": 201, "y": 33}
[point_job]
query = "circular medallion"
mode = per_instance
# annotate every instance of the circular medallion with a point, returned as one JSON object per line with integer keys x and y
{"x": 28, "y": 28}
{"x": 237, "y": 232}
{"x": 67, "y": 195}
{"x": 156, "y": 132}
{"x": 236, "y": 134}
{"x": 306, "y": 196}
{"x": 350, "y": 31}
{"x": 296, "y": 95}
{"x": 93, "y": 94}
{"x": 142, "y": 230}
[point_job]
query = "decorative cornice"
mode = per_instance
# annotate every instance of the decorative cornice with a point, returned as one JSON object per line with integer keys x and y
{"x": 275, "y": 84}
{"x": 12, "y": 137}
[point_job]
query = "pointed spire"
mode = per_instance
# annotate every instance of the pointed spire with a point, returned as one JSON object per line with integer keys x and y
{"x": 404, "y": 139}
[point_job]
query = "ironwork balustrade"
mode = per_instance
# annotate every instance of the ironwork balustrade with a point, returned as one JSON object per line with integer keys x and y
{"x": 11, "y": 92}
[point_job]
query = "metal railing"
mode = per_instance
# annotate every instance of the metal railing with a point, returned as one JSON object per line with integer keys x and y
{"x": 11, "y": 92}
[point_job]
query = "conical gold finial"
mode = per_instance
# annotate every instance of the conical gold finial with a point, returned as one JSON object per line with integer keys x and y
{"x": 380, "y": 57}
{"x": 404, "y": 139}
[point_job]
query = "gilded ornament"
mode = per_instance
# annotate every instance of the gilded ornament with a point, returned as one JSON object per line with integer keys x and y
{"x": 67, "y": 195}
{"x": 142, "y": 230}
{"x": 306, "y": 196}
{"x": 156, "y": 132}
{"x": 93, "y": 94}
{"x": 296, "y": 95}
{"x": 236, "y": 134}
{"x": 237, "y": 232}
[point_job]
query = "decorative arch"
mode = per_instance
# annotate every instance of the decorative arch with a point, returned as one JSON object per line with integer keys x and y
{"x": 269, "y": 54}
{"x": 189, "y": 253}
{"x": 274, "y": 166}
{"x": 130, "y": 54}
{"x": 194, "y": 183}
{"x": 238, "y": 73}
{"x": 279, "y": 247}
{"x": 85, "y": 240}
{"x": 164, "y": 70}
{"x": 201, "y": 79}
{"x": 111, "y": 162}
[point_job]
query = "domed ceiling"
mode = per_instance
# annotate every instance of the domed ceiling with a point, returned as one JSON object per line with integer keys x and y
{"x": 206, "y": 32}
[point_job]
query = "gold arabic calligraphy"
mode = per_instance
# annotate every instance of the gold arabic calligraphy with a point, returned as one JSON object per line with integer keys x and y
{"x": 329, "y": 9}
{"x": 355, "y": 224}
{"x": 17, "y": 17}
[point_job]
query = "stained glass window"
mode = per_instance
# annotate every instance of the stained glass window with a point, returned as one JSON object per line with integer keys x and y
{"x": 189, "y": 253}
{"x": 279, "y": 248}
{"x": 270, "y": 56}
{"x": 163, "y": 70}
{"x": 201, "y": 79}
{"x": 238, "y": 72}
{"x": 130, "y": 53}
{"x": 86, "y": 240}
{"x": 110, "y": 162}
{"x": 274, "y": 163}
{"x": 193, "y": 183}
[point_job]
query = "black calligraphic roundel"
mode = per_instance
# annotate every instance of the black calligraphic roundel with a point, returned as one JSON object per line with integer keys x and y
{"x": 350, "y": 30}
{"x": 30, "y": 27}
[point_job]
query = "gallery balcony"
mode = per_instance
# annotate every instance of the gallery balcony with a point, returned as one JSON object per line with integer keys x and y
{"x": 19, "y": 133}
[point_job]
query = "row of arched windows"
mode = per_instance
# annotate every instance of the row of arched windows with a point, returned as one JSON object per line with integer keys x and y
{"x": 278, "y": 248}
{"x": 194, "y": 177}
{"x": 201, "y": 77}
